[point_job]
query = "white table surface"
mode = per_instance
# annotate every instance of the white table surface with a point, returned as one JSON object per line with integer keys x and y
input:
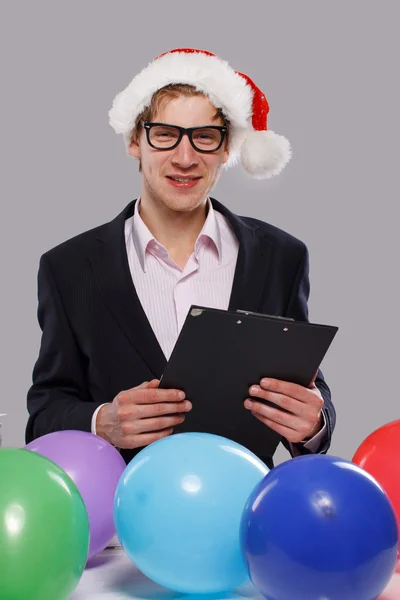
{"x": 112, "y": 576}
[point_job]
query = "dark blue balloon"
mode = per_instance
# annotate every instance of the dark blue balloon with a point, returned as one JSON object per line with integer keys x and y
{"x": 319, "y": 528}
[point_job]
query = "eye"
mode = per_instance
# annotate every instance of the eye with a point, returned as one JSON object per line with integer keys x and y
{"x": 163, "y": 136}
{"x": 163, "y": 133}
{"x": 207, "y": 137}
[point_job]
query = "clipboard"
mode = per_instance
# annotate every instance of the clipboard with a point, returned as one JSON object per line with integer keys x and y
{"x": 219, "y": 354}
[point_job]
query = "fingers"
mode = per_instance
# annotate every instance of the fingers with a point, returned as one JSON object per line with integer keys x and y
{"x": 285, "y": 394}
{"x": 147, "y": 384}
{"x": 142, "y": 385}
{"x": 277, "y": 416}
{"x": 145, "y": 414}
{"x": 154, "y": 383}
{"x": 286, "y": 388}
{"x": 293, "y": 427}
{"x": 290, "y": 434}
{"x": 290, "y": 405}
{"x": 145, "y": 411}
{"x": 149, "y": 395}
{"x": 154, "y": 424}
{"x": 295, "y": 422}
{"x": 127, "y": 411}
{"x": 284, "y": 402}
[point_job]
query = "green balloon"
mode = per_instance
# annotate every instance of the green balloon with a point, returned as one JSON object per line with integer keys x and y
{"x": 44, "y": 528}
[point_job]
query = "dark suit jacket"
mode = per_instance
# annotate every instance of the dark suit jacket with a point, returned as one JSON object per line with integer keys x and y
{"x": 97, "y": 340}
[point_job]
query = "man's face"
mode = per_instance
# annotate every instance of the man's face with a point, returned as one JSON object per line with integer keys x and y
{"x": 160, "y": 166}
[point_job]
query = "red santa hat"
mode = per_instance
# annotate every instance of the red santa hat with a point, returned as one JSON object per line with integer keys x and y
{"x": 262, "y": 152}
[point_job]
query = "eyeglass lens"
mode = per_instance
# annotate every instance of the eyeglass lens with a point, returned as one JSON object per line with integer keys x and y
{"x": 165, "y": 136}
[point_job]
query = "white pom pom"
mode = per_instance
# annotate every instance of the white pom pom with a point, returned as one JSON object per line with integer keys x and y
{"x": 265, "y": 153}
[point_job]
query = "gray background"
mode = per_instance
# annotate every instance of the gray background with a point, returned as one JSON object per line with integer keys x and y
{"x": 328, "y": 70}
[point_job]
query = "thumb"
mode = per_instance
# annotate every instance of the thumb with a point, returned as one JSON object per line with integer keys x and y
{"x": 313, "y": 379}
{"x": 154, "y": 383}
{"x": 148, "y": 384}
{"x": 142, "y": 385}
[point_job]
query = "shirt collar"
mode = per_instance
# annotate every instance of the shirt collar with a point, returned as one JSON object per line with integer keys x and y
{"x": 211, "y": 231}
{"x": 142, "y": 236}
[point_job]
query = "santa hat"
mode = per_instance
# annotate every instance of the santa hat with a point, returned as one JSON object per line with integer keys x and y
{"x": 262, "y": 152}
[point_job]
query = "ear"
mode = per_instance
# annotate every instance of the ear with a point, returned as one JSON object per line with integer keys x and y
{"x": 226, "y": 154}
{"x": 134, "y": 150}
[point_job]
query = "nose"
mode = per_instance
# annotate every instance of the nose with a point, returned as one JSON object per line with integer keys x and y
{"x": 185, "y": 156}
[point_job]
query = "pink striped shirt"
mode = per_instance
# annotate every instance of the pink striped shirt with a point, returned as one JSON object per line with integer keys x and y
{"x": 166, "y": 291}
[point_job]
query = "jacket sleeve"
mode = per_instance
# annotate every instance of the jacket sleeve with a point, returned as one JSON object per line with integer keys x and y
{"x": 297, "y": 309}
{"x": 58, "y": 398}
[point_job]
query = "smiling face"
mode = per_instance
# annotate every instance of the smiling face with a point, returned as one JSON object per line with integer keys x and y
{"x": 161, "y": 168}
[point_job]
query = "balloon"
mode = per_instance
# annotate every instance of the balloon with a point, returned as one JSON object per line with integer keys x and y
{"x": 95, "y": 466}
{"x": 379, "y": 454}
{"x": 319, "y": 527}
{"x": 44, "y": 529}
{"x": 178, "y": 508}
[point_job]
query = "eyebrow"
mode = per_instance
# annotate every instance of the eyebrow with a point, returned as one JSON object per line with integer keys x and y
{"x": 193, "y": 126}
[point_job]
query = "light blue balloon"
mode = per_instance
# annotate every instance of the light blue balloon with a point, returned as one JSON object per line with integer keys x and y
{"x": 178, "y": 508}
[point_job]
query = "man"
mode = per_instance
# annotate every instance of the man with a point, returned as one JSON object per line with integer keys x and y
{"x": 113, "y": 300}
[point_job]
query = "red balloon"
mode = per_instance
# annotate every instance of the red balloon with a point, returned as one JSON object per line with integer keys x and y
{"x": 379, "y": 455}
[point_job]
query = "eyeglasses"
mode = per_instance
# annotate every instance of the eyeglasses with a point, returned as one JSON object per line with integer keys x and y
{"x": 162, "y": 136}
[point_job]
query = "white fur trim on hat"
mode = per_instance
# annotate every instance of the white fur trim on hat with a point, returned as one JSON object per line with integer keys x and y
{"x": 214, "y": 77}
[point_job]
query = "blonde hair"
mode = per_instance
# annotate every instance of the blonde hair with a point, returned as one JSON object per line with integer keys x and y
{"x": 159, "y": 100}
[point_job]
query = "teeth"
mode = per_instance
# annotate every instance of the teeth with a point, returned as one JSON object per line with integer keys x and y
{"x": 182, "y": 180}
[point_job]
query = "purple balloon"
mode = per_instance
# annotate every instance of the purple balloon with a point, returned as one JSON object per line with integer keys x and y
{"x": 95, "y": 467}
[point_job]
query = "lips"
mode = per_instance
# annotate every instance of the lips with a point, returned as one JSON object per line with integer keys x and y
{"x": 182, "y": 182}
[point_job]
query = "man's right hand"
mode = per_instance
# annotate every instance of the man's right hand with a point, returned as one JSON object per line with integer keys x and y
{"x": 141, "y": 415}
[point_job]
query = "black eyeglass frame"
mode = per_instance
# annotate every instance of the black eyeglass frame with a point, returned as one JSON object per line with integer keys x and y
{"x": 185, "y": 131}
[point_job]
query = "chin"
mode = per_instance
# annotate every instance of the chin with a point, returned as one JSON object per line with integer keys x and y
{"x": 183, "y": 202}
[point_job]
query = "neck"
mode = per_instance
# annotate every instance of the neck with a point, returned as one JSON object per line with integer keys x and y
{"x": 176, "y": 230}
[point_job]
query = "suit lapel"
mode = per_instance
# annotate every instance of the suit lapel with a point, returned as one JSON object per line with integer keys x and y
{"x": 252, "y": 263}
{"x": 110, "y": 265}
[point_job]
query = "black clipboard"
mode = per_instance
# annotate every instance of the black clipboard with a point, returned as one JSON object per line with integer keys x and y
{"x": 219, "y": 354}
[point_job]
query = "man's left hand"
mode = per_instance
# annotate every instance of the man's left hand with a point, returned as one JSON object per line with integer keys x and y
{"x": 303, "y": 418}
